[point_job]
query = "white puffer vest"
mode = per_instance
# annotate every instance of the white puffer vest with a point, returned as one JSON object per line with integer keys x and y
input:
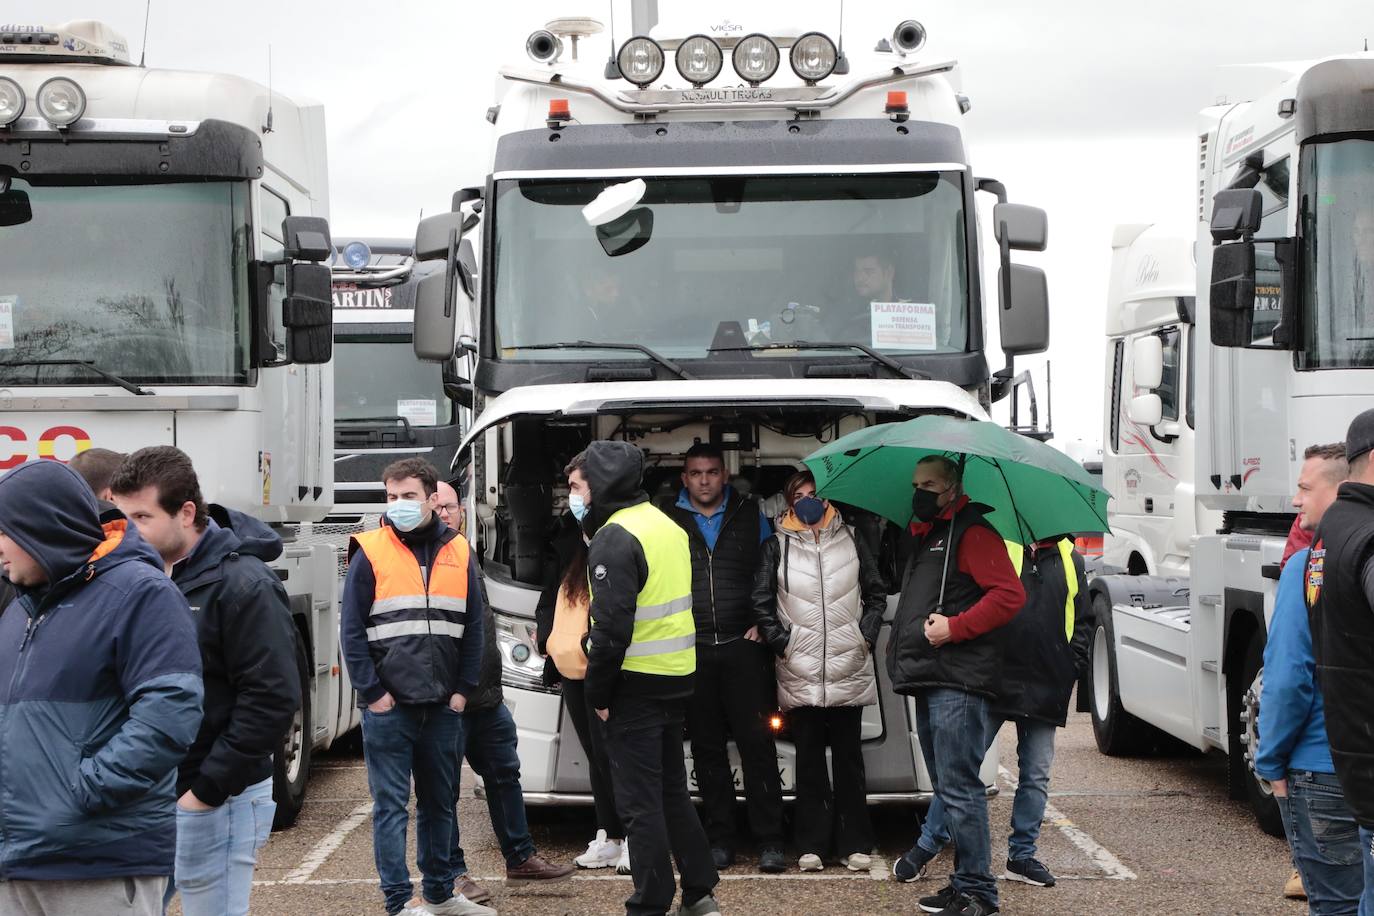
{"x": 827, "y": 662}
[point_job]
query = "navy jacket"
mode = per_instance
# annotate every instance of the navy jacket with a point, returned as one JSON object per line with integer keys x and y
{"x": 100, "y": 691}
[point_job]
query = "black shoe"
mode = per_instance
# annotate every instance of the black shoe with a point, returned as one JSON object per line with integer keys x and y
{"x": 723, "y": 856}
{"x": 940, "y": 901}
{"x": 1031, "y": 871}
{"x": 771, "y": 861}
{"x": 968, "y": 906}
{"x": 912, "y": 865}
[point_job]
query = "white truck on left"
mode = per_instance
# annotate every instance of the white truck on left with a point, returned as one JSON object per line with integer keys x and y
{"x": 160, "y": 233}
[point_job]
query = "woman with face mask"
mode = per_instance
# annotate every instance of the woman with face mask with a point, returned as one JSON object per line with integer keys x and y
{"x": 819, "y": 599}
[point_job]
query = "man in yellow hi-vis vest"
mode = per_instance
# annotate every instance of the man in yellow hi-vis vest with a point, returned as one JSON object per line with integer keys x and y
{"x": 641, "y": 656}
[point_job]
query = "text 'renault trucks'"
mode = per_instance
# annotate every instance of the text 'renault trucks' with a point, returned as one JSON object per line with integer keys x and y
{"x": 159, "y": 238}
{"x": 388, "y": 405}
{"x": 1219, "y": 378}
{"x": 724, "y": 233}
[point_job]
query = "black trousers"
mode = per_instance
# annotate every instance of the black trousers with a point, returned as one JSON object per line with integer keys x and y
{"x": 829, "y": 821}
{"x": 598, "y": 764}
{"x": 736, "y": 690}
{"x": 644, "y": 740}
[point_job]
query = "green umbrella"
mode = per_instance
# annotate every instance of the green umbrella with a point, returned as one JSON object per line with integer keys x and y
{"x": 1034, "y": 490}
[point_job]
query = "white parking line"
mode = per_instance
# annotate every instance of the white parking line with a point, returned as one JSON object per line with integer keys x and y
{"x": 326, "y": 847}
{"x": 1097, "y": 854}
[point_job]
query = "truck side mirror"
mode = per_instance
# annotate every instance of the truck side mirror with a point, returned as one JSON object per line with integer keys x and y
{"x": 307, "y": 313}
{"x": 436, "y": 311}
{"x": 307, "y": 238}
{"x": 1232, "y": 294}
{"x": 1147, "y": 362}
{"x": 1145, "y": 409}
{"x": 1023, "y": 228}
{"x": 1025, "y": 318}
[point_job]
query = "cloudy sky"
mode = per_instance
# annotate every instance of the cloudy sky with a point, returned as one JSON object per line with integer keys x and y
{"x": 1084, "y": 108}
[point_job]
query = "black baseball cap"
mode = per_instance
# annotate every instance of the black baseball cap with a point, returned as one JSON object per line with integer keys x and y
{"x": 1359, "y": 439}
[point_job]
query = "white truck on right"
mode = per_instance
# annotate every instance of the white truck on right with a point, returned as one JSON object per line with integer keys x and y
{"x": 1214, "y": 389}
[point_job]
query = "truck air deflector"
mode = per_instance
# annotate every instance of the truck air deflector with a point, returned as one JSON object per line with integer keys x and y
{"x": 1335, "y": 97}
{"x": 208, "y": 149}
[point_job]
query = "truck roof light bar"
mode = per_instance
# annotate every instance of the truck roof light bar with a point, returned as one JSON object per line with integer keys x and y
{"x": 640, "y": 60}
{"x": 699, "y": 59}
{"x": 756, "y": 58}
{"x": 11, "y": 101}
{"x": 817, "y": 98}
{"x": 61, "y": 102}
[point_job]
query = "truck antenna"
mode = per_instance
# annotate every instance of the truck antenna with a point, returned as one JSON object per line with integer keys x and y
{"x": 841, "y": 62}
{"x": 612, "y": 69}
{"x": 267, "y": 127}
{"x": 147, "y": 14}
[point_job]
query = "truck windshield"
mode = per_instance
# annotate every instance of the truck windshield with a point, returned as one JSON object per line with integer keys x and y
{"x": 149, "y": 282}
{"x": 879, "y": 260}
{"x": 1338, "y": 255}
{"x": 378, "y": 379}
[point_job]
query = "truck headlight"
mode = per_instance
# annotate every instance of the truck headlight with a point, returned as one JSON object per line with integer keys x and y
{"x": 699, "y": 60}
{"x": 11, "y": 101}
{"x": 813, "y": 57}
{"x": 521, "y": 664}
{"x": 61, "y": 102}
{"x": 640, "y": 60}
{"x": 755, "y": 58}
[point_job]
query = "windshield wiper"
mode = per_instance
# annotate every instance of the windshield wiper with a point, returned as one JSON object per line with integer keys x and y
{"x": 885, "y": 361}
{"x": 85, "y": 363}
{"x": 662, "y": 360}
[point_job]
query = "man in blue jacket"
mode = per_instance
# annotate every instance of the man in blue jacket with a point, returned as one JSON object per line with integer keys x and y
{"x": 100, "y": 697}
{"x": 1294, "y": 754}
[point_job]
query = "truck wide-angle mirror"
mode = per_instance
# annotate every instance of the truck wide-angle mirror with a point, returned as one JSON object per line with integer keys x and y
{"x": 1023, "y": 228}
{"x": 307, "y": 313}
{"x": 1025, "y": 324}
{"x": 1236, "y": 214}
{"x": 1232, "y": 295}
{"x": 1145, "y": 409}
{"x": 1147, "y": 362}
{"x": 307, "y": 238}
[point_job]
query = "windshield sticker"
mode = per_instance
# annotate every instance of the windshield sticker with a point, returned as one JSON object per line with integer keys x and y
{"x": 903, "y": 325}
{"x": 418, "y": 412}
{"x": 7, "y": 304}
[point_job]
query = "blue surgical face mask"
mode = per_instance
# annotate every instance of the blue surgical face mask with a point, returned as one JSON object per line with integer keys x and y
{"x": 405, "y": 514}
{"x": 809, "y": 510}
{"x": 577, "y": 506}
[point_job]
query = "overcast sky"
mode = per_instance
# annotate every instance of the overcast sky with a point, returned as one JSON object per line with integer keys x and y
{"x": 1087, "y": 109}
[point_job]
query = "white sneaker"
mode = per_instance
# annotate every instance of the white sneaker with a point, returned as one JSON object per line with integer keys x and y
{"x": 810, "y": 862}
{"x": 623, "y": 866}
{"x": 457, "y": 905}
{"x": 858, "y": 862}
{"x": 601, "y": 853}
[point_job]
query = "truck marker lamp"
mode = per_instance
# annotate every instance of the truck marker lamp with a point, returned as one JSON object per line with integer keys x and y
{"x": 775, "y": 723}
{"x": 11, "y": 101}
{"x": 896, "y": 105}
{"x": 559, "y": 111}
{"x": 755, "y": 58}
{"x": 640, "y": 60}
{"x": 61, "y": 102}
{"x": 813, "y": 57}
{"x": 699, "y": 60}
{"x": 357, "y": 255}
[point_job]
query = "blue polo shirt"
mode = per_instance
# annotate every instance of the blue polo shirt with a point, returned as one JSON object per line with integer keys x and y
{"x": 710, "y": 525}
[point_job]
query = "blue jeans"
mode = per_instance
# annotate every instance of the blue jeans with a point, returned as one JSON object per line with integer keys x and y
{"x": 1367, "y": 855}
{"x": 1325, "y": 842}
{"x": 1034, "y": 755}
{"x": 490, "y": 748}
{"x": 216, "y": 852}
{"x": 425, "y": 742}
{"x": 953, "y": 729}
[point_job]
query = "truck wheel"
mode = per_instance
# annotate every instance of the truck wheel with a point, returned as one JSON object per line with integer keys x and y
{"x": 1257, "y": 792}
{"x": 1118, "y": 733}
{"x": 291, "y": 764}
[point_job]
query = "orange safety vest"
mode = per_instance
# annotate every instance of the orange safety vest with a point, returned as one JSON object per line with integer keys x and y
{"x": 404, "y": 603}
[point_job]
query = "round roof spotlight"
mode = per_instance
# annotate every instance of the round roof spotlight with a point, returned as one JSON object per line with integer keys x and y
{"x": 61, "y": 102}
{"x": 357, "y": 255}
{"x": 543, "y": 46}
{"x": 699, "y": 60}
{"x": 813, "y": 57}
{"x": 755, "y": 58}
{"x": 908, "y": 37}
{"x": 640, "y": 60}
{"x": 11, "y": 101}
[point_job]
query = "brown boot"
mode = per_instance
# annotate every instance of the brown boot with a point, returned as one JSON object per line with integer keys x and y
{"x": 470, "y": 889}
{"x": 1294, "y": 890}
{"x": 536, "y": 869}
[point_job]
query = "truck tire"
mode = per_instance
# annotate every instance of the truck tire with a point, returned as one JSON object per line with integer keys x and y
{"x": 291, "y": 763}
{"x": 1118, "y": 733}
{"x": 1262, "y": 802}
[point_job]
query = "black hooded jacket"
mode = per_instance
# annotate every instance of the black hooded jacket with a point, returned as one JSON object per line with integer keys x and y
{"x": 248, "y": 653}
{"x": 614, "y": 472}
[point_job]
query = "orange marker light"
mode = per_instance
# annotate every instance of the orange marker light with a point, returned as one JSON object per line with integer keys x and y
{"x": 896, "y": 102}
{"x": 559, "y": 110}
{"x": 775, "y": 723}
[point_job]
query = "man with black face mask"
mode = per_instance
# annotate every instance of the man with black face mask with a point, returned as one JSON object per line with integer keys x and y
{"x": 944, "y": 652}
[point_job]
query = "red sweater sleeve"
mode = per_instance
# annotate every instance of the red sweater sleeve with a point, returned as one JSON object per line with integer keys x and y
{"x": 983, "y": 555}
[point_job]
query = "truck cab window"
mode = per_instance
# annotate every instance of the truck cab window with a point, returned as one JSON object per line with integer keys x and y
{"x": 1168, "y": 389}
{"x": 1338, "y": 256}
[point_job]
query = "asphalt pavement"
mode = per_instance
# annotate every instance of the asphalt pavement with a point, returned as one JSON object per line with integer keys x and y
{"x": 1151, "y": 835}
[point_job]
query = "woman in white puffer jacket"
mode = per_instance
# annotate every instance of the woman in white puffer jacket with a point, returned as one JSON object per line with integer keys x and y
{"x": 819, "y": 600}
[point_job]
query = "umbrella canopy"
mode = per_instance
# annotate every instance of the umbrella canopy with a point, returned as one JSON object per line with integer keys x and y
{"x": 1034, "y": 490}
